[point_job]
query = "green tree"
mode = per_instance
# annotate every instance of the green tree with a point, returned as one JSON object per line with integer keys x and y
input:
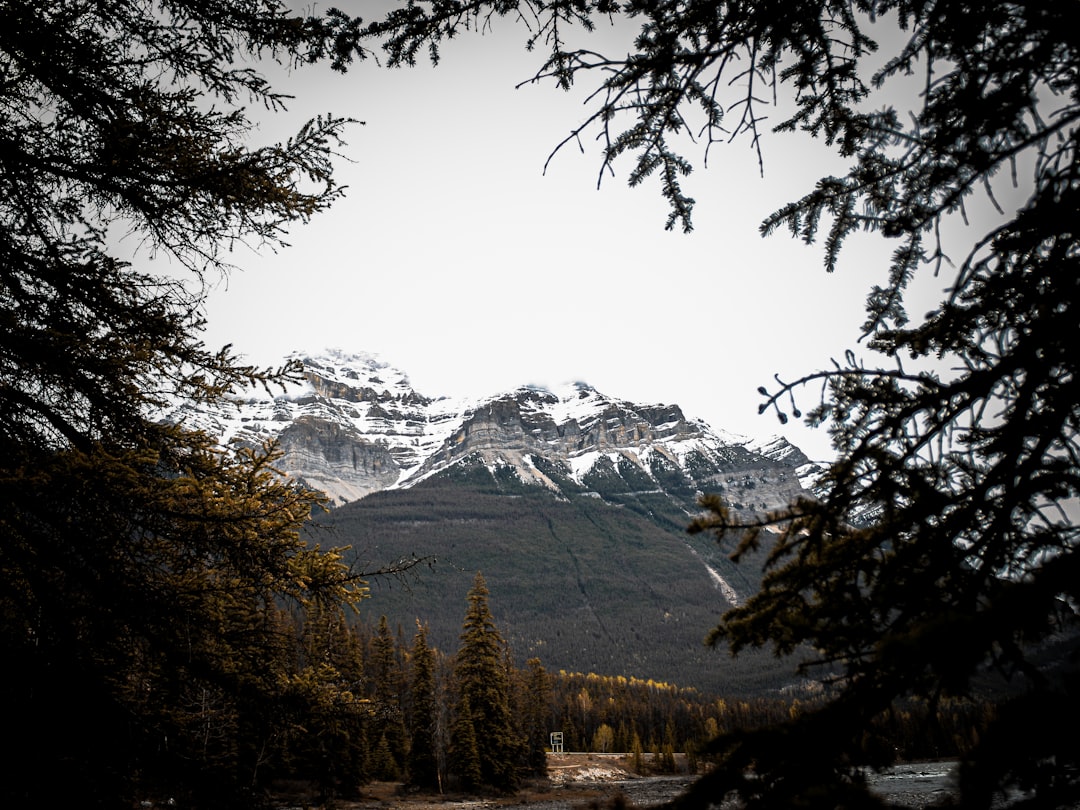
{"x": 667, "y": 750}
{"x": 463, "y": 757}
{"x": 388, "y": 680}
{"x": 424, "y": 718}
{"x": 141, "y": 565}
{"x": 535, "y": 714}
{"x": 484, "y": 691}
{"x": 942, "y": 541}
{"x": 637, "y": 755}
{"x": 144, "y": 596}
{"x": 384, "y": 764}
{"x": 320, "y": 734}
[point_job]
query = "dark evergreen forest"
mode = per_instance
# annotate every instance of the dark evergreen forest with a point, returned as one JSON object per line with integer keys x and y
{"x": 584, "y": 585}
{"x": 405, "y": 708}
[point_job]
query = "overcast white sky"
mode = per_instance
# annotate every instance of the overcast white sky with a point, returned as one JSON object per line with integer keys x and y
{"x": 459, "y": 261}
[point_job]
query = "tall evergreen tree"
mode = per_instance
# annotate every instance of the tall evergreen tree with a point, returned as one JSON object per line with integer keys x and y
{"x": 384, "y": 765}
{"x": 535, "y": 714}
{"x": 423, "y": 765}
{"x": 637, "y": 755}
{"x": 463, "y": 757}
{"x": 323, "y": 738}
{"x": 484, "y": 692}
{"x": 388, "y": 680}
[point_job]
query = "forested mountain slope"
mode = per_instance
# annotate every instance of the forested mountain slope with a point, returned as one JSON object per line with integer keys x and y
{"x": 572, "y": 503}
{"x": 578, "y": 582}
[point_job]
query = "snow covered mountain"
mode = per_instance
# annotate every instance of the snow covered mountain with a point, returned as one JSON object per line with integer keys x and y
{"x": 573, "y": 503}
{"x": 356, "y": 426}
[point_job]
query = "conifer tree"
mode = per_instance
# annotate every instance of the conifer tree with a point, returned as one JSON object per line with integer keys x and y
{"x": 667, "y": 751}
{"x": 388, "y": 720}
{"x": 324, "y": 738}
{"x": 485, "y": 691}
{"x": 463, "y": 757}
{"x": 141, "y": 565}
{"x": 535, "y": 713}
{"x": 423, "y": 766}
{"x": 384, "y": 765}
{"x": 637, "y": 754}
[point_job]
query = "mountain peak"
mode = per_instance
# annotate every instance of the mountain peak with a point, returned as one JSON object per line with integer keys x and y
{"x": 337, "y": 370}
{"x": 356, "y": 426}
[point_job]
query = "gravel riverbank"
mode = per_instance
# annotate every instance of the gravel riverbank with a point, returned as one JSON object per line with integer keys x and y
{"x": 578, "y": 781}
{"x": 914, "y": 785}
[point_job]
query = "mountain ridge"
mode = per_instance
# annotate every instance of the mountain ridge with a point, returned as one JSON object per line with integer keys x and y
{"x": 355, "y": 426}
{"x": 572, "y": 503}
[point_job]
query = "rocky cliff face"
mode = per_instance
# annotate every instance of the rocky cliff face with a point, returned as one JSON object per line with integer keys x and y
{"x": 356, "y": 426}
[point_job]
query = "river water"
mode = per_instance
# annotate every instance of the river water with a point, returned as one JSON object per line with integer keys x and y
{"x": 913, "y": 785}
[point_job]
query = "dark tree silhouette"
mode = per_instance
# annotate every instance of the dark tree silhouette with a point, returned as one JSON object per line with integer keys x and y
{"x": 484, "y": 697}
{"x": 535, "y": 715}
{"x": 423, "y": 722}
{"x": 388, "y": 721}
{"x": 141, "y": 565}
{"x": 463, "y": 755}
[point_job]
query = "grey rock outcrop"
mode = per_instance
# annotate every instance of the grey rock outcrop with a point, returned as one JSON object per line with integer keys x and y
{"x": 356, "y": 426}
